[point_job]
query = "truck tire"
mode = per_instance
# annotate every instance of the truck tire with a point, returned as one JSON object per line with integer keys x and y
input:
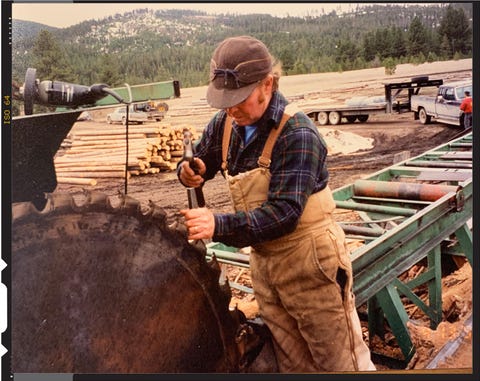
{"x": 362, "y": 118}
{"x": 420, "y": 78}
{"x": 351, "y": 118}
{"x": 335, "y": 118}
{"x": 423, "y": 116}
{"x": 162, "y": 107}
{"x": 323, "y": 118}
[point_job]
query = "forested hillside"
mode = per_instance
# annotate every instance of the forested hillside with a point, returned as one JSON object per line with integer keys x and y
{"x": 146, "y": 46}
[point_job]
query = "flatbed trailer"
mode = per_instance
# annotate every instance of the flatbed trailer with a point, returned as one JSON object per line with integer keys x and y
{"x": 333, "y": 114}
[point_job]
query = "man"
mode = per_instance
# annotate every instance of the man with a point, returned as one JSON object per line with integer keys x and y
{"x": 274, "y": 161}
{"x": 466, "y": 107}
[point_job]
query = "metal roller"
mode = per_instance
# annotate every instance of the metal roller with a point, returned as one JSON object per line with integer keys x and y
{"x": 402, "y": 190}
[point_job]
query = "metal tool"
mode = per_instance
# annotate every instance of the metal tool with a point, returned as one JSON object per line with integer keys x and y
{"x": 195, "y": 195}
{"x": 56, "y": 93}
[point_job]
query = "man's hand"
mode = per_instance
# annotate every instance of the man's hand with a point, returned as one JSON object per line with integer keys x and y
{"x": 200, "y": 223}
{"x": 188, "y": 176}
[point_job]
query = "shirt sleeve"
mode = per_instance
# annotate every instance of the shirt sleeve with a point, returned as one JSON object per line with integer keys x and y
{"x": 298, "y": 170}
{"x": 209, "y": 147}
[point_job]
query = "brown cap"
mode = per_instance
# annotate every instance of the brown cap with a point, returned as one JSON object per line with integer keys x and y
{"x": 237, "y": 66}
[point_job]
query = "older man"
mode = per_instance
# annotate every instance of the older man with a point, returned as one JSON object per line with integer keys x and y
{"x": 274, "y": 161}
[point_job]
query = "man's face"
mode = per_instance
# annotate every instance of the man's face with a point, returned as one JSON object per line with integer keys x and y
{"x": 252, "y": 108}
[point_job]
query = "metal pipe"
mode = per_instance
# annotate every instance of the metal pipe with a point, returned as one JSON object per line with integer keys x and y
{"x": 370, "y": 221}
{"x": 438, "y": 164}
{"x": 461, "y": 145}
{"x": 458, "y": 155}
{"x": 360, "y": 238}
{"x": 401, "y": 190}
{"x": 369, "y": 232}
{"x": 392, "y": 210}
{"x": 227, "y": 262}
{"x": 241, "y": 287}
{"x": 227, "y": 255}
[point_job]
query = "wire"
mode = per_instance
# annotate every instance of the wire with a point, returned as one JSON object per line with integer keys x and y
{"x": 126, "y": 132}
{"x": 126, "y": 150}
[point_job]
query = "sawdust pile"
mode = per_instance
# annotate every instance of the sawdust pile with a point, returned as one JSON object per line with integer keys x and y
{"x": 342, "y": 142}
{"x": 448, "y": 346}
{"x": 450, "y": 343}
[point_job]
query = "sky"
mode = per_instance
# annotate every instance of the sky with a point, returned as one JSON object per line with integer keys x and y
{"x": 61, "y": 15}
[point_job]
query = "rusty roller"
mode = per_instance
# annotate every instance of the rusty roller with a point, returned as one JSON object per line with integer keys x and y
{"x": 401, "y": 190}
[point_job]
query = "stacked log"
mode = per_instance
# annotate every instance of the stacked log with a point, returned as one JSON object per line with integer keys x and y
{"x": 87, "y": 154}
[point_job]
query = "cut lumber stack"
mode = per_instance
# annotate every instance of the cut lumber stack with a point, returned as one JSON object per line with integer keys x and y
{"x": 88, "y": 154}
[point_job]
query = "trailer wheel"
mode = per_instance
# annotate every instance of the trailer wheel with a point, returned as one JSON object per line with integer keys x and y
{"x": 323, "y": 118}
{"x": 162, "y": 107}
{"x": 423, "y": 117}
{"x": 420, "y": 79}
{"x": 351, "y": 118}
{"x": 334, "y": 118}
{"x": 362, "y": 118}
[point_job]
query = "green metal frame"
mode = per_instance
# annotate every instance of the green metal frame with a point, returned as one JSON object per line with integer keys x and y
{"x": 136, "y": 93}
{"x": 378, "y": 264}
{"x": 139, "y": 93}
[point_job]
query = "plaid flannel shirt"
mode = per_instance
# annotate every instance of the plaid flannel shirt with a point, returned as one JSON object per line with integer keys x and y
{"x": 298, "y": 169}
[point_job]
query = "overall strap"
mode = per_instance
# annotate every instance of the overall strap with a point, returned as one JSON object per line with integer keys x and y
{"x": 227, "y": 132}
{"x": 265, "y": 158}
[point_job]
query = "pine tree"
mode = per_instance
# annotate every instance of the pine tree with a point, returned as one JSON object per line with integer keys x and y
{"x": 446, "y": 48}
{"x": 399, "y": 48}
{"x": 50, "y": 59}
{"x": 455, "y": 29}
{"x": 109, "y": 71}
{"x": 369, "y": 46}
{"x": 416, "y": 38}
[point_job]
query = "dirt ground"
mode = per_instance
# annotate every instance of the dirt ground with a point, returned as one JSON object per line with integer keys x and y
{"x": 390, "y": 134}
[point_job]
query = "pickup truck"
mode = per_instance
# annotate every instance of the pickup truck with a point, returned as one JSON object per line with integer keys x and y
{"x": 360, "y": 108}
{"x": 119, "y": 115}
{"x": 444, "y": 107}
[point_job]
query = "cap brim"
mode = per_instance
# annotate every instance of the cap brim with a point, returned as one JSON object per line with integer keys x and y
{"x": 225, "y": 98}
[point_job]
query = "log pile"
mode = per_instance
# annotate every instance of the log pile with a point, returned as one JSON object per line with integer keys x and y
{"x": 87, "y": 154}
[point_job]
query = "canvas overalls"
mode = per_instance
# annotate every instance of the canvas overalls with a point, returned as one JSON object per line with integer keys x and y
{"x": 302, "y": 281}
